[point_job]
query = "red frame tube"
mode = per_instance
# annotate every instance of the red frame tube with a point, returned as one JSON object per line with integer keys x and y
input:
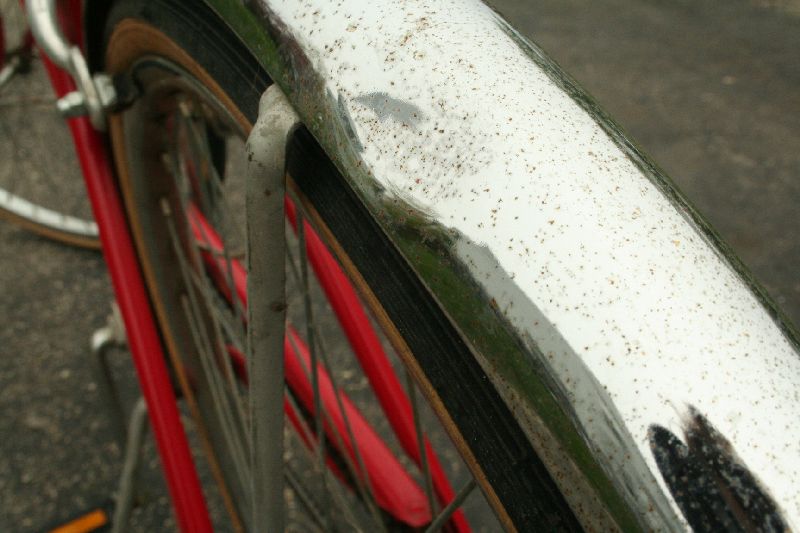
{"x": 131, "y": 295}
{"x": 394, "y": 489}
{"x": 373, "y": 360}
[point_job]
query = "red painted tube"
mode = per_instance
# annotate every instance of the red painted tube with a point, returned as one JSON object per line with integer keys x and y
{"x": 369, "y": 351}
{"x": 394, "y": 489}
{"x": 143, "y": 339}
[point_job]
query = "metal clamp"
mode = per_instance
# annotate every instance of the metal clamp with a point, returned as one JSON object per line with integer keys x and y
{"x": 95, "y": 93}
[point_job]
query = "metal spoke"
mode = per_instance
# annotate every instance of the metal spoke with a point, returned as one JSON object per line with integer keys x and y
{"x": 185, "y": 138}
{"x": 202, "y": 284}
{"x": 207, "y": 359}
{"x": 223, "y": 358}
{"x": 233, "y": 328}
{"x": 220, "y": 404}
{"x": 363, "y": 488}
{"x": 452, "y": 507}
{"x": 200, "y": 142}
{"x": 327, "y": 477}
{"x": 309, "y": 315}
{"x": 221, "y": 314}
{"x": 423, "y": 453}
{"x": 364, "y": 483}
{"x": 305, "y": 499}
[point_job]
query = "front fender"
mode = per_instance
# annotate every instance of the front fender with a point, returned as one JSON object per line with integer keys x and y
{"x": 631, "y": 341}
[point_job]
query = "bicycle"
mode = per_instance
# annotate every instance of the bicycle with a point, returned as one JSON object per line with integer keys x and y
{"x": 402, "y": 228}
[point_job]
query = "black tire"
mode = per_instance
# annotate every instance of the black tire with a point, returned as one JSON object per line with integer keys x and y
{"x": 484, "y": 429}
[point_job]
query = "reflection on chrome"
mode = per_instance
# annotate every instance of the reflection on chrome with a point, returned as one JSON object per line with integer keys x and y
{"x": 602, "y": 303}
{"x": 713, "y": 487}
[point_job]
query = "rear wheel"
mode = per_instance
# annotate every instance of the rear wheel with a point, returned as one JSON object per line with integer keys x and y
{"x": 179, "y": 155}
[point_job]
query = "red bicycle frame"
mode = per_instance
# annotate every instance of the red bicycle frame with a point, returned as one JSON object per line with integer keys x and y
{"x": 132, "y": 298}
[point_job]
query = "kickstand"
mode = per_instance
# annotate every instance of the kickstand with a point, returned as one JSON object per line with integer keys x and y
{"x": 109, "y": 336}
{"x": 137, "y": 428}
{"x": 130, "y": 438}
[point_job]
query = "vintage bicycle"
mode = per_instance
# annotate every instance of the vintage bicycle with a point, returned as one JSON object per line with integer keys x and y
{"x": 548, "y": 290}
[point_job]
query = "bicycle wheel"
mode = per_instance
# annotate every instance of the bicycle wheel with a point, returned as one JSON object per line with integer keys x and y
{"x": 42, "y": 194}
{"x": 177, "y": 149}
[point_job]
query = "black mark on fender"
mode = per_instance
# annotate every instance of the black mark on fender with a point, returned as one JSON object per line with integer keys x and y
{"x": 712, "y": 486}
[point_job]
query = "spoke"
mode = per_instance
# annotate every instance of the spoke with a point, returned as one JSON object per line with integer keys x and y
{"x": 238, "y": 453}
{"x": 185, "y": 138}
{"x": 328, "y": 478}
{"x": 203, "y": 345}
{"x": 360, "y": 474}
{"x": 222, "y": 358}
{"x": 309, "y": 315}
{"x": 220, "y": 321}
{"x": 452, "y": 507}
{"x": 234, "y": 329}
{"x": 423, "y": 453}
{"x": 202, "y": 284}
{"x": 220, "y": 402}
{"x": 223, "y": 316}
{"x": 304, "y": 526}
{"x": 305, "y": 499}
{"x": 236, "y": 303}
{"x": 200, "y": 142}
{"x": 362, "y": 480}
{"x": 294, "y": 270}
{"x": 364, "y": 483}
{"x": 382, "y": 377}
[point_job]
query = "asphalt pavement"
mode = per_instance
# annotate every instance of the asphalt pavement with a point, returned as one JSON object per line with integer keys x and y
{"x": 710, "y": 89}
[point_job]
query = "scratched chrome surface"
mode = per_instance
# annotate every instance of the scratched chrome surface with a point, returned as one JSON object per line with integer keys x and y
{"x": 486, "y": 167}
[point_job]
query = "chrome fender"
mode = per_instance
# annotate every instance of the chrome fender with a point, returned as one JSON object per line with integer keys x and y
{"x": 619, "y": 305}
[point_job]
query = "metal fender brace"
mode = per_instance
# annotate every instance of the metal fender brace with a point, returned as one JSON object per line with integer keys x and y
{"x": 94, "y": 94}
{"x": 266, "y": 294}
